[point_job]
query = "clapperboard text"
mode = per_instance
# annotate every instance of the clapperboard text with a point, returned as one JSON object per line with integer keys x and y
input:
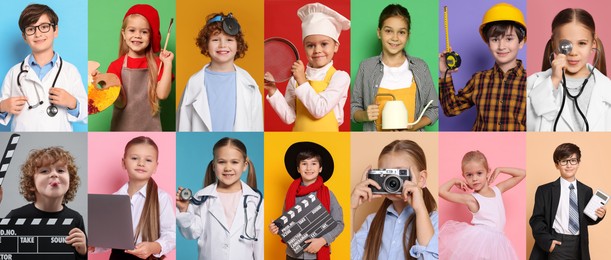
{"x": 307, "y": 219}
{"x": 35, "y": 238}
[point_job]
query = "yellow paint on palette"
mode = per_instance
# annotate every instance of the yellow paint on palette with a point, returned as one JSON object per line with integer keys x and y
{"x": 277, "y": 181}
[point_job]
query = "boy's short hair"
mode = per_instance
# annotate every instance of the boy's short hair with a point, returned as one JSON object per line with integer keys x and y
{"x": 565, "y": 150}
{"x": 213, "y": 28}
{"x": 45, "y": 157}
{"x": 33, "y": 12}
{"x": 304, "y": 155}
{"x": 496, "y": 29}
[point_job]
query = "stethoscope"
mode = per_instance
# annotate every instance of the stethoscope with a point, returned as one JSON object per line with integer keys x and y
{"x": 51, "y": 109}
{"x": 186, "y": 194}
{"x": 565, "y": 47}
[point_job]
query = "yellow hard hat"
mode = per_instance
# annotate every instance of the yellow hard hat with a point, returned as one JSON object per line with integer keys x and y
{"x": 502, "y": 12}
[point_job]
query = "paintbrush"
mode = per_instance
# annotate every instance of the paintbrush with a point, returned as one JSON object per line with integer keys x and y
{"x": 167, "y": 37}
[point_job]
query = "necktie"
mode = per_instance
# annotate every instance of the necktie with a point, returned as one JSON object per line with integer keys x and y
{"x": 573, "y": 211}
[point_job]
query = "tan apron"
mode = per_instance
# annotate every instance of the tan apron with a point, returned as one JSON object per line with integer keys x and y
{"x": 305, "y": 122}
{"x": 136, "y": 115}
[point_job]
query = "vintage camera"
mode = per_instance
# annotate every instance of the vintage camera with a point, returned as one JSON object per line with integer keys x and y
{"x": 390, "y": 180}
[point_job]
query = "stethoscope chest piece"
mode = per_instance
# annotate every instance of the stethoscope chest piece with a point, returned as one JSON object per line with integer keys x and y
{"x": 186, "y": 194}
{"x": 52, "y": 110}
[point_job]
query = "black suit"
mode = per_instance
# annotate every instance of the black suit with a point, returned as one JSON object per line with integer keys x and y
{"x": 544, "y": 212}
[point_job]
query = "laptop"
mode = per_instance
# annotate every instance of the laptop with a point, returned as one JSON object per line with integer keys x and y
{"x": 110, "y": 221}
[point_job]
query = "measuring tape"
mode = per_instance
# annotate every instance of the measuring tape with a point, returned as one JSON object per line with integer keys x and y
{"x": 452, "y": 58}
{"x": 8, "y": 155}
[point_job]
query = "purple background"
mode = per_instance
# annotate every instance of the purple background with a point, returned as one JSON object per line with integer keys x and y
{"x": 464, "y": 18}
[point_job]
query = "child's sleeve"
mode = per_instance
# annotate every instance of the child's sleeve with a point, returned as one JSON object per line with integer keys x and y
{"x": 337, "y": 215}
{"x": 77, "y": 89}
{"x": 453, "y": 104}
{"x": 430, "y": 251}
{"x": 433, "y": 111}
{"x": 284, "y": 107}
{"x": 356, "y": 98}
{"x": 543, "y": 239}
{"x": 167, "y": 225}
{"x": 5, "y": 117}
{"x": 259, "y": 246}
{"x": 190, "y": 223}
{"x": 333, "y": 98}
{"x": 543, "y": 99}
{"x": 357, "y": 244}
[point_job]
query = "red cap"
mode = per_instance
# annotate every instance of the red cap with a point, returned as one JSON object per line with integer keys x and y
{"x": 151, "y": 15}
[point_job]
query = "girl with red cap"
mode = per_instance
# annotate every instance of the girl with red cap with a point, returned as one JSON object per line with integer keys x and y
{"x": 137, "y": 108}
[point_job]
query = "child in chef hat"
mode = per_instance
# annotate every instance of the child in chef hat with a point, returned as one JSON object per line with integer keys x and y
{"x": 316, "y": 94}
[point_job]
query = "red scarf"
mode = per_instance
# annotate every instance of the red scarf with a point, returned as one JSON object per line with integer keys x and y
{"x": 322, "y": 194}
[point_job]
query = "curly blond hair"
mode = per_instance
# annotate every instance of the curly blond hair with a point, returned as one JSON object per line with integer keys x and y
{"x": 42, "y": 158}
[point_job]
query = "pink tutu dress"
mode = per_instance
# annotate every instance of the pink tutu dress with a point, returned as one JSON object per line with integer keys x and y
{"x": 484, "y": 239}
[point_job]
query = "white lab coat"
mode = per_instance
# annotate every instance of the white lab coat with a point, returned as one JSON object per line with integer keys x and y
{"x": 333, "y": 98}
{"x": 194, "y": 111}
{"x": 206, "y": 223}
{"x": 36, "y": 119}
{"x": 543, "y": 104}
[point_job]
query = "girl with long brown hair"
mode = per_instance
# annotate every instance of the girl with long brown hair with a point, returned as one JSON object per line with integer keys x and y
{"x": 224, "y": 215}
{"x": 155, "y": 228}
{"x": 409, "y": 217}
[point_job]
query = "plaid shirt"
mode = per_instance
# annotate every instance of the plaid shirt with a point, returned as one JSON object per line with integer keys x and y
{"x": 500, "y": 99}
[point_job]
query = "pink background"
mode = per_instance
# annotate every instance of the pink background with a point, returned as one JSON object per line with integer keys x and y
{"x": 540, "y": 15}
{"x": 106, "y": 174}
{"x": 501, "y": 150}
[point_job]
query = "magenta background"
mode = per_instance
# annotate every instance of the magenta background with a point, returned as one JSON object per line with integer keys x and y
{"x": 540, "y": 27}
{"x": 106, "y": 174}
{"x": 501, "y": 150}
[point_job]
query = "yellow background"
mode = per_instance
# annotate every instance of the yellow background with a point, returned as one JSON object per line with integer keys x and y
{"x": 366, "y": 148}
{"x": 593, "y": 171}
{"x": 191, "y": 18}
{"x": 277, "y": 181}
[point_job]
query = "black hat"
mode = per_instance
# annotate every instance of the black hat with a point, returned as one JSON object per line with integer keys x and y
{"x": 290, "y": 159}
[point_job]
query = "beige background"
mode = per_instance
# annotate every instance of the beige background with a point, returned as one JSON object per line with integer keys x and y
{"x": 593, "y": 171}
{"x": 365, "y": 149}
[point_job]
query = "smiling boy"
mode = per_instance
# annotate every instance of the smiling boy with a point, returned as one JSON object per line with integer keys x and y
{"x": 499, "y": 94}
{"x": 43, "y": 92}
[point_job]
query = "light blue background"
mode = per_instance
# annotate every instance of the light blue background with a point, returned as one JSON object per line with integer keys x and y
{"x": 70, "y": 44}
{"x": 193, "y": 153}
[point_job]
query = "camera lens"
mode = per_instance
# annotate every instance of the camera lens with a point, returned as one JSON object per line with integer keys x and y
{"x": 392, "y": 184}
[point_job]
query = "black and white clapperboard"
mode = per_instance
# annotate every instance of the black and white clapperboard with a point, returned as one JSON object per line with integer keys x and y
{"x": 32, "y": 238}
{"x": 35, "y": 238}
{"x": 307, "y": 219}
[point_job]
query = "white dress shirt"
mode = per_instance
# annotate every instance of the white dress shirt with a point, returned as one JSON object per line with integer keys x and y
{"x": 561, "y": 221}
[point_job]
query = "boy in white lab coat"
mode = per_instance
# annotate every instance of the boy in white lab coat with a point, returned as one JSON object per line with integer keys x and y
{"x": 43, "y": 92}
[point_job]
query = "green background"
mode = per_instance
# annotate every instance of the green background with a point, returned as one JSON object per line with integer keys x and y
{"x": 105, "y": 20}
{"x": 422, "y": 43}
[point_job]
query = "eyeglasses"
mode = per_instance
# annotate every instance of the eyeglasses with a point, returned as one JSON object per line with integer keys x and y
{"x": 43, "y": 28}
{"x": 573, "y": 161}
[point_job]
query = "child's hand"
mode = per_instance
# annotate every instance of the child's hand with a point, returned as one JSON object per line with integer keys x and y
{"x": 461, "y": 184}
{"x": 273, "y": 228}
{"x": 373, "y": 112}
{"x": 145, "y": 249}
{"x": 166, "y": 57}
{"x": 182, "y": 205}
{"x": 76, "y": 238}
{"x": 61, "y": 97}
{"x": 1, "y": 193}
{"x": 299, "y": 72}
{"x": 442, "y": 64}
{"x": 362, "y": 191}
{"x": 558, "y": 65}
{"x": 13, "y": 105}
{"x": 554, "y": 243}
{"x": 600, "y": 212}
{"x": 314, "y": 245}
{"x": 412, "y": 194}
{"x": 91, "y": 249}
{"x": 269, "y": 83}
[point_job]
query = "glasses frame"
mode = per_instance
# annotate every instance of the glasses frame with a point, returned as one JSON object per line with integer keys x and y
{"x": 51, "y": 25}
{"x": 565, "y": 162}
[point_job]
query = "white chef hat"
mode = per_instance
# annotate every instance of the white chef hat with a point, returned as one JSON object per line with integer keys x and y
{"x": 317, "y": 18}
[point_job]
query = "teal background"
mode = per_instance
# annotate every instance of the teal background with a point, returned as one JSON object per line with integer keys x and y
{"x": 422, "y": 43}
{"x": 106, "y": 18}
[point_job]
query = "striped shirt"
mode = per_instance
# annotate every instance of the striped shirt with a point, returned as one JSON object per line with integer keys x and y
{"x": 500, "y": 98}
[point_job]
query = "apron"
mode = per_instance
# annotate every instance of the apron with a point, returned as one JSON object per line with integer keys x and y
{"x": 406, "y": 95}
{"x": 136, "y": 115}
{"x": 305, "y": 122}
